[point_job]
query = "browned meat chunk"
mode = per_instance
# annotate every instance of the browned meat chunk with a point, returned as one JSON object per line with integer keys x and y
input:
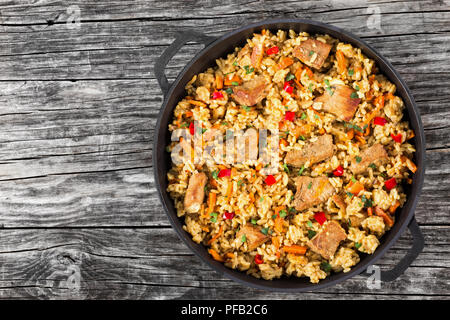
{"x": 342, "y": 102}
{"x": 374, "y": 154}
{"x": 253, "y": 236}
{"x": 339, "y": 201}
{"x": 312, "y": 191}
{"x": 319, "y": 150}
{"x": 326, "y": 241}
{"x": 195, "y": 192}
{"x": 312, "y": 52}
{"x": 251, "y": 92}
{"x": 257, "y": 55}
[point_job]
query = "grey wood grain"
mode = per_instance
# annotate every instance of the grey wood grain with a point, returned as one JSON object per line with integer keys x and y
{"x": 86, "y": 263}
{"x": 79, "y": 211}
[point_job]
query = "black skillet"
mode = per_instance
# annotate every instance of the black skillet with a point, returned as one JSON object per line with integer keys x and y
{"x": 219, "y": 47}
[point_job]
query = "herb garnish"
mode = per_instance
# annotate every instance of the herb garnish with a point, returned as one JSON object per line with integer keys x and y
{"x": 249, "y": 69}
{"x": 328, "y": 87}
{"x": 325, "y": 266}
{"x": 213, "y": 217}
{"x": 358, "y": 159}
{"x": 301, "y": 171}
{"x": 311, "y": 233}
{"x": 290, "y": 77}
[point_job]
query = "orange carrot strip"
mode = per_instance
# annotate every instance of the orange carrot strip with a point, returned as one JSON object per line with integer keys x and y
{"x": 285, "y": 62}
{"x": 350, "y": 134}
{"x": 298, "y": 73}
{"x": 205, "y": 229}
{"x": 298, "y": 76}
{"x": 279, "y": 221}
{"x": 309, "y": 73}
{"x": 229, "y": 255}
{"x": 252, "y": 197}
{"x": 212, "y": 196}
{"x": 213, "y": 182}
{"x": 283, "y": 142}
{"x": 229, "y": 81}
{"x": 276, "y": 242}
{"x": 394, "y": 207}
{"x": 410, "y": 135}
{"x": 219, "y": 82}
{"x": 389, "y": 96}
{"x": 369, "y": 211}
{"x": 360, "y": 139}
{"x": 215, "y": 255}
{"x": 341, "y": 61}
{"x": 321, "y": 131}
{"x": 355, "y": 188}
{"x": 379, "y": 104}
{"x": 197, "y": 103}
{"x": 229, "y": 189}
{"x": 295, "y": 249}
{"x": 387, "y": 219}
{"x": 216, "y": 236}
{"x": 411, "y": 165}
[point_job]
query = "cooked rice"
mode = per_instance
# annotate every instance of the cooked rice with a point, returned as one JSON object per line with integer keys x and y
{"x": 252, "y": 199}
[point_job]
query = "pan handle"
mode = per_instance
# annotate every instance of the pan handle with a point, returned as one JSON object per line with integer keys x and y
{"x": 411, "y": 255}
{"x": 182, "y": 38}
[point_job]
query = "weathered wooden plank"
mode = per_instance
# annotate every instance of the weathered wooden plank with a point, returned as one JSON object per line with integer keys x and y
{"x": 49, "y": 12}
{"x": 139, "y": 263}
{"x": 127, "y": 51}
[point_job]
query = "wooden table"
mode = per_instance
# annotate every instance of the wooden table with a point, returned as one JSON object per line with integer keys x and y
{"x": 79, "y": 212}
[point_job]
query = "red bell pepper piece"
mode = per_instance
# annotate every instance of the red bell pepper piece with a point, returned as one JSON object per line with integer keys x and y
{"x": 397, "y": 138}
{"x": 191, "y": 128}
{"x": 224, "y": 173}
{"x": 391, "y": 183}
{"x": 380, "y": 121}
{"x": 270, "y": 180}
{"x": 272, "y": 50}
{"x": 258, "y": 259}
{"x": 217, "y": 95}
{"x": 228, "y": 215}
{"x": 289, "y": 115}
{"x": 320, "y": 217}
{"x": 288, "y": 87}
{"x": 339, "y": 171}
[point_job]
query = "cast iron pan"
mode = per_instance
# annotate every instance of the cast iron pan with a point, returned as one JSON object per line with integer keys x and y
{"x": 219, "y": 47}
